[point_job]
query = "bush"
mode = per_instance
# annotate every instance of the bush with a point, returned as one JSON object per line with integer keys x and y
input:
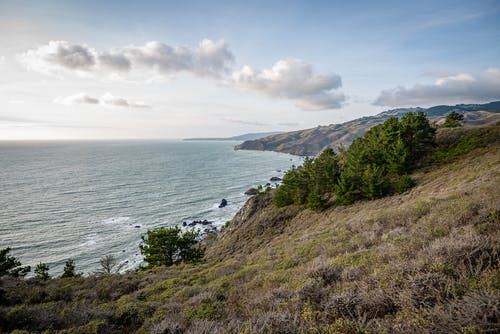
{"x": 167, "y": 246}
{"x": 42, "y": 271}
{"x": 10, "y": 266}
{"x": 453, "y": 120}
{"x": 404, "y": 183}
{"x": 69, "y": 269}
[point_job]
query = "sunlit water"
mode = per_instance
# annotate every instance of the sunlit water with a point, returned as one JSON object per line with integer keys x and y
{"x": 84, "y": 200}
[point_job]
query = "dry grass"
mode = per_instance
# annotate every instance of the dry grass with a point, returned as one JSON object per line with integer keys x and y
{"x": 425, "y": 261}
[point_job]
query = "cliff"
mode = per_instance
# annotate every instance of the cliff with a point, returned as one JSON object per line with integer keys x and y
{"x": 310, "y": 142}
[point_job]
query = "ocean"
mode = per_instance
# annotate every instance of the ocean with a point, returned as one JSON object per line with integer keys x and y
{"x": 83, "y": 200}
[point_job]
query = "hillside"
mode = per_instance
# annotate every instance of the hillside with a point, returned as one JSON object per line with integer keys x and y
{"x": 310, "y": 142}
{"x": 425, "y": 261}
{"x": 246, "y": 136}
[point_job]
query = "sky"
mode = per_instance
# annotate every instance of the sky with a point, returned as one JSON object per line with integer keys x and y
{"x": 178, "y": 69}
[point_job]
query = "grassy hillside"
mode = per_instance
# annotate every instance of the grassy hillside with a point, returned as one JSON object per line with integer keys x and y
{"x": 423, "y": 261}
{"x": 310, "y": 142}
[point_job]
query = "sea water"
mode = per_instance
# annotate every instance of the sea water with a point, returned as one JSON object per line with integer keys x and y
{"x": 84, "y": 200}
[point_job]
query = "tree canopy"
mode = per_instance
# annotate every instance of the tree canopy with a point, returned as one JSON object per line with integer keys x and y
{"x": 168, "y": 246}
{"x": 453, "y": 120}
{"x": 10, "y": 266}
{"x": 371, "y": 168}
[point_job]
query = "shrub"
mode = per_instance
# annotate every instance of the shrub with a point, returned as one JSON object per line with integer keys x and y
{"x": 453, "y": 120}
{"x": 404, "y": 183}
{"x": 42, "y": 271}
{"x": 208, "y": 309}
{"x": 168, "y": 246}
{"x": 69, "y": 269}
{"x": 10, "y": 266}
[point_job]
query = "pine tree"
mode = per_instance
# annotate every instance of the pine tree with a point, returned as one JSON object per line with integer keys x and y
{"x": 453, "y": 120}
{"x": 42, "y": 271}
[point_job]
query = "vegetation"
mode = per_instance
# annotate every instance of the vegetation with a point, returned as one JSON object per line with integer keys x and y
{"x": 109, "y": 265}
{"x": 425, "y": 261}
{"x": 453, "y": 120}
{"x": 10, "y": 266}
{"x": 374, "y": 166}
{"x": 168, "y": 246}
{"x": 69, "y": 270}
{"x": 42, "y": 271}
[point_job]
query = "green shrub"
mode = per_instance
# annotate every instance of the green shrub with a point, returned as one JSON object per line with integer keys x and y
{"x": 404, "y": 183}
{"x": 69, "y": 269}
{"x": 463, "y": 146}
{"x": 10, "y": 266}
{"x": 208, "y": 309}
{"x": 453, "y": 120}
{"x": 42, "y": 271}
{"x": 168, "y": 246}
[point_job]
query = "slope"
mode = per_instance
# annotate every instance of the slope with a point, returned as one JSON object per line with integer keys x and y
{"x": 312, "y": 141}
{"x": 426, "y": 261}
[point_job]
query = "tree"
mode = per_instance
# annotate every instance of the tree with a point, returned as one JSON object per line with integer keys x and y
{"x": 69, "y": 269}
{"x": 453, "y": 120}
{"x": 42, "y": 271}
{"x": 10, "y": 266}
{"x": 109, "y": 265}
{"x": 168, "y": 246}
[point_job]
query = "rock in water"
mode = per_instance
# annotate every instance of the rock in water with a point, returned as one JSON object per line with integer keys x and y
{"x": 223, "y": 203}
{"x": 251, "y": 192}
{"x": 275, "y": 179}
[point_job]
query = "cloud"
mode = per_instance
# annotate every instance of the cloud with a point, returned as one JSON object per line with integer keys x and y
{"x": 292, "y": 79}
{"x": 458, "y": 88}
{"x": 59, "y": 55}
{"x": 71, "y": 100}
{"x": 105, "y": 100}
{"x": 110, "y": 100}
{"x": 208, "y": 59}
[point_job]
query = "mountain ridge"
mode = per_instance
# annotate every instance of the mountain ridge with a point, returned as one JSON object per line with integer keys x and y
{"x": 245, "y": 136}
{"x": 312, "y": 141}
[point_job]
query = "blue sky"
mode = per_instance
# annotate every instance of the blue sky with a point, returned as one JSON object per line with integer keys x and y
{"x": 278, "y": 65}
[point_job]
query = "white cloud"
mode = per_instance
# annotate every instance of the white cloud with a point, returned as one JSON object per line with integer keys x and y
{"x": 107, "y": 100}
{"x": 155, "y": 61}
{"x": 59, "y": 55}
{"x": 459, "y": 88}
{"x": 81, "y": 98}
{"x": 208, "y": 59}
{"x": 110, "y": 100}
{"x": 295, "y": 80}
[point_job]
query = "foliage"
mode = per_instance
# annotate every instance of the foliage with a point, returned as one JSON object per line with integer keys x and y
{"x": 453, "y": 120}
{"x": 405, "y": 182}
{"x": 465, "y": 145}
{"x": 10, "y": 266}
{"x": 168, "y": 246}
{"x": 371, "y": 168}
{"x": 69, "y": 269}
{"x": 310, "y": 183}
{"x": 42, "y": 271}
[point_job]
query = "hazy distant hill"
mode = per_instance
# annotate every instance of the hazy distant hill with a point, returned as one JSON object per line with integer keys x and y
{"x": 246, "y": 136}
{"x": 312, "y": 141}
